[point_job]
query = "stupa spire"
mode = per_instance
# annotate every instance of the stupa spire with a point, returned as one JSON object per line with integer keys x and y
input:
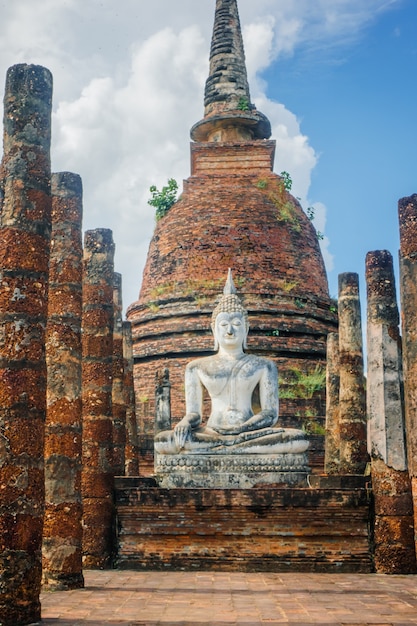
{"x": 229, "y": 114}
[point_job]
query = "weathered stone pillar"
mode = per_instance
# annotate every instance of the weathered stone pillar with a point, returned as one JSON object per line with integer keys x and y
{"x": 352, "y": 402}
{"x": 97, "y": 372}
{"x": 132, "y": 448}
{"x": 407, "y": 208}
{"x": 62, "y": 540}
{"x": 162, "y": 401}
{"x": 24, "y": 256}
{"x": 118, "y": 396}
{"x": 332, "y": 445}
{"x": 394, "y": 529}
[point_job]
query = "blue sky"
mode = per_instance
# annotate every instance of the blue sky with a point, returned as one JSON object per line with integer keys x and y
{"x": 357, "y": 104}
{"x": 335, "y": 77}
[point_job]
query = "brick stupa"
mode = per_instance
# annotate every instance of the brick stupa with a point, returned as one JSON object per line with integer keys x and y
{"x": 236, "y": 213}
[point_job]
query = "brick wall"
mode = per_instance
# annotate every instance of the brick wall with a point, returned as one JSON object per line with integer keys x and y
{"x": 273, "y": 529}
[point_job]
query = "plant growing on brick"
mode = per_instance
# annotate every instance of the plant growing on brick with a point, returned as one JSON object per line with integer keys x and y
{"x": 311, "y": 214}
{"x": 164, "y": 199}
{"x": 162, "y": 290}
{"x": 287, "y": 180}
{"x": 312, "y": 427}
{"x": 262, "y": 183}
{"x": 243, "y": 104}
{"x": 278, "y": 194}
{"x": 288, "y": 285}
{"x": 333, "y": 306}
{"x": 302, "y": 384}
{"x": 299, "y": 303}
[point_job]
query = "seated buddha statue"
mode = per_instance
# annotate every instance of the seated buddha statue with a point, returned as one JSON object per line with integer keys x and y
{"x": 230, "y": 378}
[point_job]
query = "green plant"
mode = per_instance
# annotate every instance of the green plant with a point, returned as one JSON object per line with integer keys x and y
{"x": 273, "y": 333}
{"x": 286, "y": 393}
{"x": 243, "y": 104}
{"x": 307, "y": 413}
{"x": 287, "y": 214}
{"x": 288, "y": 285}
{"x": 200, "y": 300}
{"x": 164, "y": 199}
{"x": 303, "y": 384}
{"x": 277, "y": 192}
{"x": 287, "y": 180}
{"x": 311, "y": 427}
{"x": 162, "y": 290}
{"x": 311, "y": 214}
{"x": 194, "y": 286}
{"x": 309, "y": 383}
{"x": 300, "y": 304}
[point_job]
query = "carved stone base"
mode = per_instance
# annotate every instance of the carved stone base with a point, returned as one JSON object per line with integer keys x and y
{"x": 240, "y": 471}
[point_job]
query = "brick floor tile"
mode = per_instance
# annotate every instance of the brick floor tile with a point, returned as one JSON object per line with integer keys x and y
{"x": 129, "y": 598}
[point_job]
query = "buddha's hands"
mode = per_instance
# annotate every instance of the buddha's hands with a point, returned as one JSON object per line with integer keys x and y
{"x": 182, "y": 431}
{"x": 232, "y": 422}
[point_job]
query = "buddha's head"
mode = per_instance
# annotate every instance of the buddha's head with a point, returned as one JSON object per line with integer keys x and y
{"x": 231, "y": 313}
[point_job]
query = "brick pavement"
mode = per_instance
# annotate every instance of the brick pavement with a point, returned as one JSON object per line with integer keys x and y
{"x": 127, "y": 598}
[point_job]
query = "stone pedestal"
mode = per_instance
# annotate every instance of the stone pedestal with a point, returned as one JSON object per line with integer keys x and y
{"x": 271, "y": 529}
{"x": 226, "y": 471}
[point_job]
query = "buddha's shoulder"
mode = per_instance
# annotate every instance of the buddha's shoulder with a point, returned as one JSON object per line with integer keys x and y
{"x": 203, "y": 364}
{"x": 214, "y": 363}
{"x": 260, "y": 362}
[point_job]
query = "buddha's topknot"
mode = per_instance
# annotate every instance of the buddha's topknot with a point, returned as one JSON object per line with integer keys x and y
{"x": 230, "y": 302}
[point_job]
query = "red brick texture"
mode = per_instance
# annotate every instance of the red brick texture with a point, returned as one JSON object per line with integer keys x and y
{"x": 62, "y": 540}
{"x": 321, "y": 530}
{"x": 24, "y": 259}
{"x": 97, "y": 373}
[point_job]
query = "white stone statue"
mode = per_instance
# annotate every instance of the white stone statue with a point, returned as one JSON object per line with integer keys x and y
{"x": 230, "y": 377}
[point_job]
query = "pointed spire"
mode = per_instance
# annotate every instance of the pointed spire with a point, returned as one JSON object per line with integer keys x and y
{"x": 227, "y": 85}
{"x": 229, "y": 287}
{"x": 229, "y": 114}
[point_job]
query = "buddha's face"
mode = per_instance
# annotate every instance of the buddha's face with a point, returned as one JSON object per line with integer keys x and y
{"x": 230, "y": 330}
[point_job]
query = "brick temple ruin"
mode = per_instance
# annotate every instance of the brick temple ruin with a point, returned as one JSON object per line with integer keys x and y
{"x": 76, "y": 486}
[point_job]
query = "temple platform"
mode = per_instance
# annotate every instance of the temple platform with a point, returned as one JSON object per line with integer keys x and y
{"x": 225, "y": 471}
{"x": 271, "y": 528}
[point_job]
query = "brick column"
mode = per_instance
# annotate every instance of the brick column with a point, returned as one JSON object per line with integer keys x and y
{"x": 97, "y": 372}
{"x": 118, "y": 396}
{"x": 394, "y": 533}
{"x": 62, "y": 540}
{"x": 353, "y": 438}
{"x": 24, "y": 256}
{"x": 332, "y": 442}
{"x": 132, "y": 448}
{"x": 407, "y": 208}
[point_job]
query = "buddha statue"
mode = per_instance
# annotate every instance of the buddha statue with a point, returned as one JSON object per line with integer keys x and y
{"x": 230, "y": 378}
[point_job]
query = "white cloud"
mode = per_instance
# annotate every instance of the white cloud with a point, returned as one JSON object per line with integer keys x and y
{"x": 123, "y": 139}
{"x": 128, "y": 86}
